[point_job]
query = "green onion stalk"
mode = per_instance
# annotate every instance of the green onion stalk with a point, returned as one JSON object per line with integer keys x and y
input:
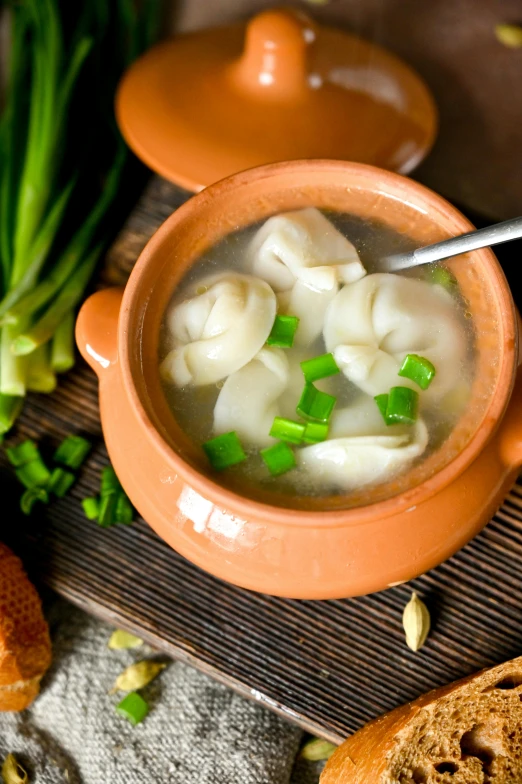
{"x": 63, "y": 174}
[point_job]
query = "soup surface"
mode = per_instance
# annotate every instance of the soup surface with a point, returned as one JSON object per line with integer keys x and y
{"x": 388, "y": 358}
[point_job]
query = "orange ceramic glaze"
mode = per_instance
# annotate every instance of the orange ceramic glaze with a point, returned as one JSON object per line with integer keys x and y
{"x": 206, "y": 105}
{"x": 315, "y": 549}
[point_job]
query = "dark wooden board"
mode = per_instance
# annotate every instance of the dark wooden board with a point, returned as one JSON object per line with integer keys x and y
{"x": 329, "y": 666}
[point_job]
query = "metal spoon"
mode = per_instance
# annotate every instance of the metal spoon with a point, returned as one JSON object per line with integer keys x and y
{"x": 480, "y": 238}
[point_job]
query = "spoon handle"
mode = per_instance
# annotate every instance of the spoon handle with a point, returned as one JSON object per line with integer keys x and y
{"x": 480, "y": 238}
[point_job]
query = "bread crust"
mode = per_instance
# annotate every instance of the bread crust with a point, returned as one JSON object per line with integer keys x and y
{"x": 25, "y": 646}
{"x": 364, "y": 758}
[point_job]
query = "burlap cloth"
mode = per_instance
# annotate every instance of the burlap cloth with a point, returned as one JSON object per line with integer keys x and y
{"x": 197, "y": 731}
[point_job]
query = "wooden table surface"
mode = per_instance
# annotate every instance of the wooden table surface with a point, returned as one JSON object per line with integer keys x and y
{"x": 329, "y": 666}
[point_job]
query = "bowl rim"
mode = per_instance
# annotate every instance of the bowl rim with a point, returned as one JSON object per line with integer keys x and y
{"x": 249, "y": 508}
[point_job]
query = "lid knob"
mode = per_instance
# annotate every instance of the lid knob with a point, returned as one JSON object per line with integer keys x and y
{"x": 275, "y": 53}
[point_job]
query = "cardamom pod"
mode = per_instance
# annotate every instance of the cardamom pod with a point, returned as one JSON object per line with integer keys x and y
{"x": 416, "y": 622}
{"x": 317, "y": 749}
{"x": 121, "y": 640}
{"x": 12, "y": 771}
{"x": 137, "y": 676}
{"x": 509, "y": 35}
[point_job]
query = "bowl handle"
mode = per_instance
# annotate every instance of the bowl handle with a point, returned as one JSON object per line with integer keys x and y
{"x": 97, "y": 329}
{"x": 511, "y": 427}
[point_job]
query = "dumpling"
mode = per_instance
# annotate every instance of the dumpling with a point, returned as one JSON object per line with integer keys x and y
{"x": 309, "y": 306}
{"x": 303, "y": 245}
{"x": 219, "y": 330}
{"x": 302, "y": 255}
{"x": 248, "y": 401}
{"x": 268, "y": 386}
{"x": 372, "y": 324}
{"x": 349, "y": 462}
{"x": 362, "y": 418}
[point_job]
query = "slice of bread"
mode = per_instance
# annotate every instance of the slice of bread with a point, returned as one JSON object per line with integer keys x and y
{"x": 469, "y": 732}
{"x": 25, "y": 646}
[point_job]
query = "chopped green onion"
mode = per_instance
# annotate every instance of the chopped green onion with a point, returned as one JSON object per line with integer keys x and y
{"x": 55, "y": 65}
{"x": 60, "y": 482}
{"x": 319, "y": 367}
{"x": 34, "y": 474}
{"x": 107, "y": 512}
{"x": 287, "y": 430}
{"x": 315, "y": 405}
{"x": 10, "y": 407}
{"x": 382, "y": 404}
{"x": 124, "y": 510}
{"x": 283, "y": 331}
{"x": 418, "y": 369}
{"x": 278, "y": 458}
{"x": 72, "y": 451}
{"x": 402, "y": 406}
{"x": 91, "y": 508}
{"x": 224, "y": 451}
{"x": 31, "y": 496}
{"x": 24, "y": 453}
{"x": 109, "y": 482}
{"x": 315, "y": 432}
{"x": 440, "y": 276}
{"x": 133, "y": 708}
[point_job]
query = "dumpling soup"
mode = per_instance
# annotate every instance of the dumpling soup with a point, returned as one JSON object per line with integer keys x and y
{"x": 298, "y": 367}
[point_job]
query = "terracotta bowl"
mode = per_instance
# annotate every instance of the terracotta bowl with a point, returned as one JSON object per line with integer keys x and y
{"x": 318, "y": 548}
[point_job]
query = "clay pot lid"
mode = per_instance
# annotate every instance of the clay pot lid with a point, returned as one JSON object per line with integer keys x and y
{"x": 206, "y": 105}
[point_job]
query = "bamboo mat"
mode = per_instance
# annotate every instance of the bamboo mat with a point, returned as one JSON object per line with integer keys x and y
{"x": 329, "y": 666}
